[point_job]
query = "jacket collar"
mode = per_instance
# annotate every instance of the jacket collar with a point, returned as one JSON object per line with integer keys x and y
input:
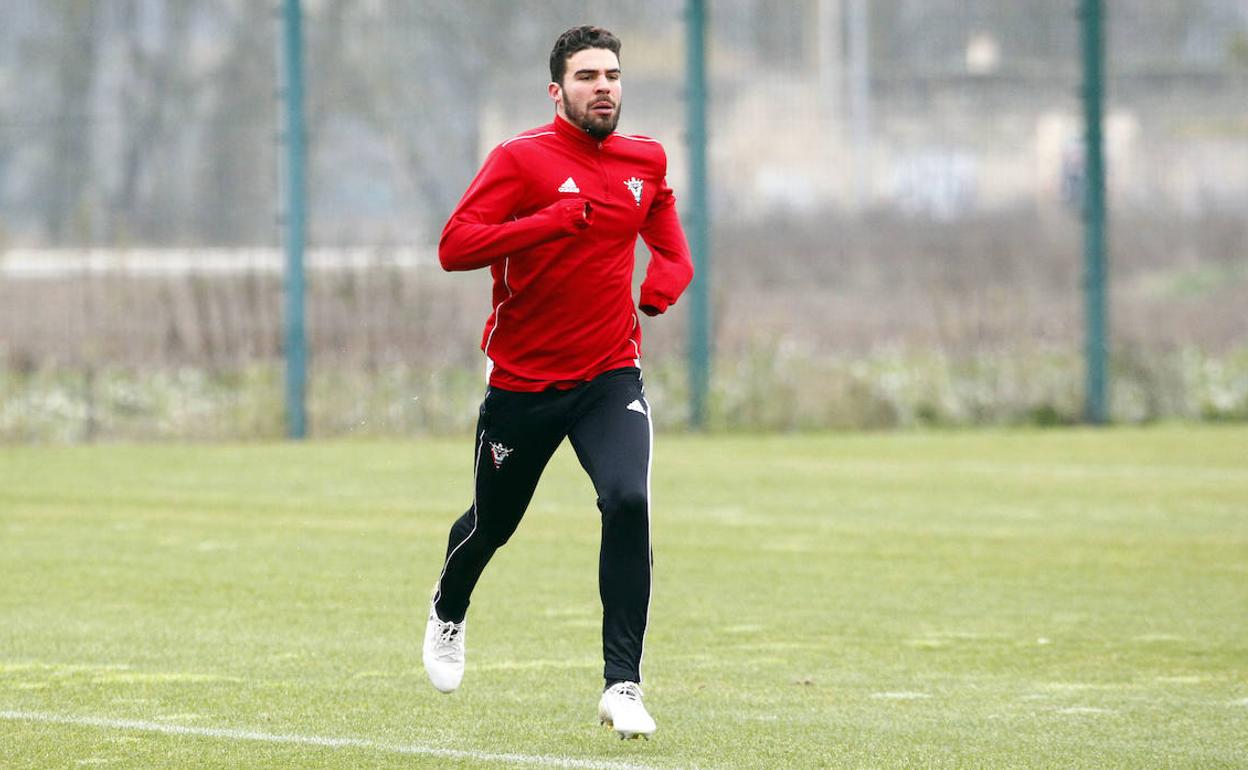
{"x": 578, "y": 135}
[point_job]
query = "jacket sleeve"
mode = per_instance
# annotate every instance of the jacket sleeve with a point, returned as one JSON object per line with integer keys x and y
{"x": 484, "y": 227}
{"x": 671, "y": 267}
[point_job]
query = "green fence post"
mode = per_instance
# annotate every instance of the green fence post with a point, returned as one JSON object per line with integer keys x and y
{"x": 1096, "y": 346}
{"x": 295, "y": 219}
{"x": 697, "y": 215}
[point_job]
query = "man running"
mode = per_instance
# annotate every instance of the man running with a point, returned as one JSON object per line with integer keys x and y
{"x": 555, "y": 213}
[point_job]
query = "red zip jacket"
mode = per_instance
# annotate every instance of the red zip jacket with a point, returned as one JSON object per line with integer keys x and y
{"x": 555, "y": 214}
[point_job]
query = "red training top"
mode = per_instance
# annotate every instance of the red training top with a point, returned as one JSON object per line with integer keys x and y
{"x": 555, "y": 214}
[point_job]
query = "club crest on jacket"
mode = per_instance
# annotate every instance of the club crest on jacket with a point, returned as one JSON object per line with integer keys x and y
{"x": 634, "y": 186}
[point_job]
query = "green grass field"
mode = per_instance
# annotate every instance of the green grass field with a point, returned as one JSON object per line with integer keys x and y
{"x": 1072, "y": 598}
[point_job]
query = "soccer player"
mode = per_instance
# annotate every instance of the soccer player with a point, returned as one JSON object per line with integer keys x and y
{"x": 555, "y": 213}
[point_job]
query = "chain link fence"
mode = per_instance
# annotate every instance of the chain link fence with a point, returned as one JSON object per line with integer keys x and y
{"x": 895, "y": 195}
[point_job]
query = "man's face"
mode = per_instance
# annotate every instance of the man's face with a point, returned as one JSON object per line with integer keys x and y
{"x": 589, "y": 96}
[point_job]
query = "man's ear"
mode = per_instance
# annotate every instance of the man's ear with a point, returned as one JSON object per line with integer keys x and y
{"x": 555, "y": 91}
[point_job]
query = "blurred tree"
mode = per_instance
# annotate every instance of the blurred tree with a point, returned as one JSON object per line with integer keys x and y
{"x": 234, "y": 194}
{"x": 155, "y": 96}
{"x": 69, "y": 159}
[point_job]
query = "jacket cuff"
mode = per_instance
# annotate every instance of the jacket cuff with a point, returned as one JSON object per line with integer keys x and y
{"x": 577, "y": 214}
{"x": 652, "y": 300}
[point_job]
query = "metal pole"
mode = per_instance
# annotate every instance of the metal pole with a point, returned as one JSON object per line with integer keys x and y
{"x": 1096, "y": 345}
{"x": 859, "y": 50}
{"x": 830, "y": 53}
{"x": 295, "y": 218}
{"x": 697, "y": 215}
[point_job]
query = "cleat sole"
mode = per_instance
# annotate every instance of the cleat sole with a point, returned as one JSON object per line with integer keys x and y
{"x": 624, "y": 735}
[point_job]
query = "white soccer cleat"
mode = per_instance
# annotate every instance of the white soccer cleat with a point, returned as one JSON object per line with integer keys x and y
{"x": 444, "y": 652}
{"x": 621, "y": 709}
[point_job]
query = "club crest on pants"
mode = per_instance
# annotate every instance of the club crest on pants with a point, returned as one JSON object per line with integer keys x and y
{"x": 499, "y": 453}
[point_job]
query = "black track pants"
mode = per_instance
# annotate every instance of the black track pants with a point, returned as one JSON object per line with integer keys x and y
{"x": 608, "y": 422}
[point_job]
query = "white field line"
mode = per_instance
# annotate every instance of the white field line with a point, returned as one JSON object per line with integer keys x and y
{"x": 539, "y": 760}
{"x": 1033, "y": 470}
{"x": 905, "y": 695}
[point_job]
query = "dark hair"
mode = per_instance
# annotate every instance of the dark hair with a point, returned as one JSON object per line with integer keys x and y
{"x": 578, "y": 39}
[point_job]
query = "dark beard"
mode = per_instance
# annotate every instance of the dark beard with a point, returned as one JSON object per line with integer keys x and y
{"x": 597, "y": 127}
